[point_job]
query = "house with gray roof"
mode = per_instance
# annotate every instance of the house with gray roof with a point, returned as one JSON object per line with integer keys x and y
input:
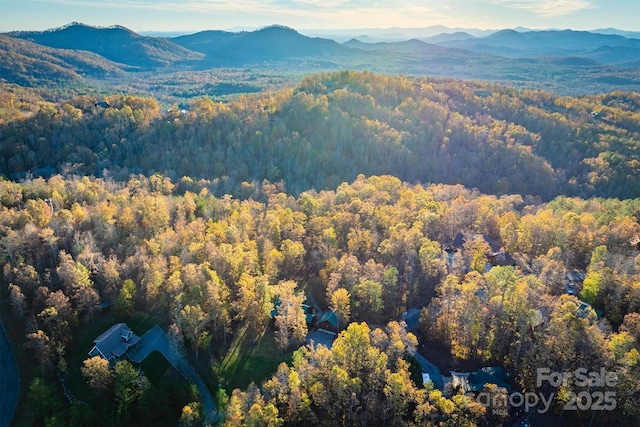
{"x": 329, "y": 321}
{"x": 113, "y": 344}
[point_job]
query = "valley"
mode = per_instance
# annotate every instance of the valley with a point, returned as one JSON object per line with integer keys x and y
{"x": 368, "y": 230}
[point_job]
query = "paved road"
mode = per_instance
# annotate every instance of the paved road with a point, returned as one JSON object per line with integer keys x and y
{"x": 9, "y": 380}
{"x": 432, "y": 370}
{"x": 156, "y": 340}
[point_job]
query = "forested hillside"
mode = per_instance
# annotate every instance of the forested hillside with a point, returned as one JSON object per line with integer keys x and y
{"x": 176, "y": 69}
{"x": 116, "y": 44}
{"x": 27, "y": 63}
{"x": 210, "y": 269}
{"x": 333, "y": 127}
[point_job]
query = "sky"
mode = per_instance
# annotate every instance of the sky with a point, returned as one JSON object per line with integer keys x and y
{"x": 197, "y": 15}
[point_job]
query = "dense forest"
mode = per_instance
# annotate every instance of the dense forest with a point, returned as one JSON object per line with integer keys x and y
{"x": 363, "y": 194}
{"x": 335, "y": 126}
{"x": 212, "y": 268}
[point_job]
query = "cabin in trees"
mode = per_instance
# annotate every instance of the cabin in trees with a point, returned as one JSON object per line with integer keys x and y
{"x": 584, "y": 310}
{"x": 500, "y": 258}
{"x": 495, "y": 255}
{"x": 476, "y": 381}
{"x": 329, "y": 321}
{"x": 113, "y": 344}
{"x": 306, "y": 309}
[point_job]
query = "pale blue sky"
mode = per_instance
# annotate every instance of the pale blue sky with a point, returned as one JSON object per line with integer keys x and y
{"x": 196, "y": 15}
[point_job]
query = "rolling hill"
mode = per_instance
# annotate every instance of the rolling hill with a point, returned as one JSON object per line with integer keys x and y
{"x": 116, "y": 43}
{"x": 335, "y": 126}
{"x": 535, "y": 44}
{"x": 28, "y": 63}
{"x": 274, "y": 43}
{"x": 566, "y": 62}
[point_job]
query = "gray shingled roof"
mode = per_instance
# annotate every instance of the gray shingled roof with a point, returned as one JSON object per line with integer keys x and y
{"x": 114, "y": 342}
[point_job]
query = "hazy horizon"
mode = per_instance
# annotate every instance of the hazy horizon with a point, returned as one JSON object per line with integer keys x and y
{"x": 197, "y": 15}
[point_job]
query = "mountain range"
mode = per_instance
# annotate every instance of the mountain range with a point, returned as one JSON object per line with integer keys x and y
{"x": 116, "y": 44}
{"x": 400, "y": 34}
{"x": 605, "y": 48}
{"x": 582, "y": 60}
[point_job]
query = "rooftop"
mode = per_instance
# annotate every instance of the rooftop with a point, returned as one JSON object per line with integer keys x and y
{"x": 114, "y": 342}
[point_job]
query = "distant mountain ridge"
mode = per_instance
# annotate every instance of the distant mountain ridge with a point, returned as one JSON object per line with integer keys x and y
{"x": 272, "y": 43}
{"x": 26, "y": 63}
{"x": 551, "y": 43}
{"x": 117, "y": 44}
{"x": 446, "y": 37}
{"x": 277, "y": 43}
{"x": 586, "y": 61}
{"x": 400, "y": 34}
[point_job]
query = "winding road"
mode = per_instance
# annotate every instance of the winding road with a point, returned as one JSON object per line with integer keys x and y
{"x": 156, "y": 340}
{"x": 9, "y": 380}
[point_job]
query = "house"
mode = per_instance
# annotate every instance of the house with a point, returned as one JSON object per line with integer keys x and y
{"x": 277, "y": 303}
{"x": 482, "y": 93}
{"x": 584, "y": 311}
{"x": 113, "y": 344}
{"x": 500, "y": 258}
{"x": 458, "y": 242}
{"x": 307, "y": 309}
{"x": 488, "y": 375}
{"x": 102, "y": 104}
{"x": 496, "y": 256}
{"x": 329, "y": 321}
{"x": 308, "y": 312}
{"x": 426, "y": 379}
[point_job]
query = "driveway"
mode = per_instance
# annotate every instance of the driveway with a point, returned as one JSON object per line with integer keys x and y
{"x": 156, "y": 340}
{"x": 9, "y": 380}
{"x": 432, "y": 370}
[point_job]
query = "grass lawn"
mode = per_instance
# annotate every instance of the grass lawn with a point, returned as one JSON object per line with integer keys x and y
{"x": 154, "y": 366}
{"x": 203, "y": 365}
{"x": 245, "y": 362}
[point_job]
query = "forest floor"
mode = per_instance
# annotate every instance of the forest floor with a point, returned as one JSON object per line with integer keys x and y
{"x": 442, "y": 358}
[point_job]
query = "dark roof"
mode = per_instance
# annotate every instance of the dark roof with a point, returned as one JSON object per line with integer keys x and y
{"x": 330, "y": 317}
{"x": 114, "y": 342}
{"x": 308, "y": 310}
{"x": 460, "y": 239}
{"x": 457, "y": 243}
{"x": 488, "y": 375}
{"x": 276, "y": 304}
{"x": 584, "y": 309}
{"x": 501, "y": 258}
